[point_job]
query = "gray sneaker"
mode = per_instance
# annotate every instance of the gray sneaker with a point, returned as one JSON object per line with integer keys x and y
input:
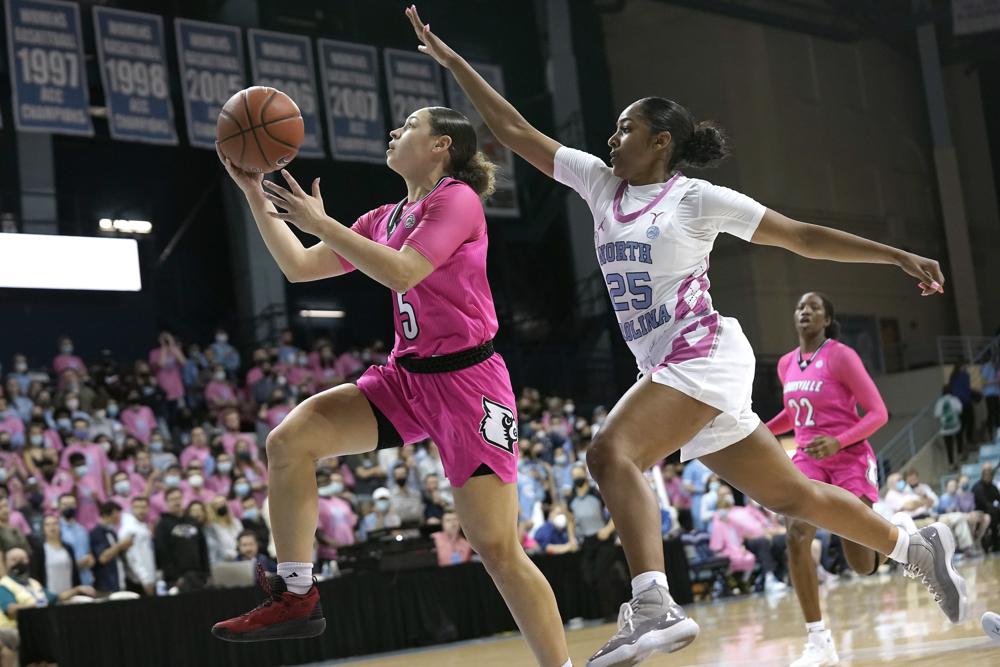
{"x": 650, "y": 623}
{"x": 930, "y": 554}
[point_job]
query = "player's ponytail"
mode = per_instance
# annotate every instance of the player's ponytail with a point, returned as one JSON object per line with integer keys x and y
{"x": 467, "y": 163}
{"x": 833, "y": 328}
{"x": 699, "y": 145}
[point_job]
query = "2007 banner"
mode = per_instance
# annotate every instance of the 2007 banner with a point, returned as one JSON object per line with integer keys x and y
{"x": 354, "y": 114}
{"x": 133, "y": 62}
{"x": 45, "y": 51}
{"x": 212, "y": 71}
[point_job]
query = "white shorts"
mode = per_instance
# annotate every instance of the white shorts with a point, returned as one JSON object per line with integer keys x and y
{"x": 711, "y": 361}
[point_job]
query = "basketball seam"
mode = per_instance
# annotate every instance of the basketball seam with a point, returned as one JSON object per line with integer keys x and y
{"x": 274, "y": 138}
{"x": 246, "y": 105}
{"x": 223, "y": 112}
{"x": 263, "y": 125}
{"x": 253, "y": 127}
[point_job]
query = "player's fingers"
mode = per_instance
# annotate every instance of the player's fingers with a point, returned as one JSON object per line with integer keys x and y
{"x": 271, "y": 186}
{"x": 277, "y": 201}
{"x": 292, "y": 183}
{"x": 315, "y": 190}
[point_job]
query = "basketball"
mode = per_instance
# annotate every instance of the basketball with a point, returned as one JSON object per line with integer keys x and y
{"x": 259, "y": 129}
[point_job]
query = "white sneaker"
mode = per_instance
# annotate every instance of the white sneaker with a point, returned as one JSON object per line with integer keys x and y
{"x": 991, "y": 625}
{"x": 819, "y": 651}
{"x": 904, "y": 521}
{"x": 772, "y": 584}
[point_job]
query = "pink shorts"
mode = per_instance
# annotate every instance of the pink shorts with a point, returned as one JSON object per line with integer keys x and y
{"x": 470, "y": 414}
{"x": 853, "y": 469}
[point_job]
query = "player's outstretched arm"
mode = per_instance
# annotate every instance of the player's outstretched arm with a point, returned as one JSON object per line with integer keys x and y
{"x": 506, "y": 123}
{"x": 817, "y": 242}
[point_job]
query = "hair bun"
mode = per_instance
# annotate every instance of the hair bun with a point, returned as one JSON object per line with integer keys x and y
{"x": 706, "y": 146}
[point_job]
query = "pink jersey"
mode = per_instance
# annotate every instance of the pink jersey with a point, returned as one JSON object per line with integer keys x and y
{"x": 452, "y": 308}
{"x": 823, "y": 398}
{"x": 168, "y": 373}
{"x": 336, "y": 521}
{"x": 139, "y": 422}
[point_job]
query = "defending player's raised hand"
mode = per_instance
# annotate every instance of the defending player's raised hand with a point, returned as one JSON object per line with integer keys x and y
{"x": 430, "y": 44}
{"x": 303, "y": 210}
{"x": 927, "y": 270}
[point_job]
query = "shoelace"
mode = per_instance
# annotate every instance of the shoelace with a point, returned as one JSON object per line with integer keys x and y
{"x": 266, "y": 585}
{"x": 912, "y": 570}
{"x": 625, "y": 614}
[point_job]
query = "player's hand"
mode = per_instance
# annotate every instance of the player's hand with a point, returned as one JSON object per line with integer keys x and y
{"x": 822, "y": 447}
{"x": 303, "y": 210}
{"x": 430, "y": 44}
{"x": 248, "y": 182}
{"x": 928, "y": 271}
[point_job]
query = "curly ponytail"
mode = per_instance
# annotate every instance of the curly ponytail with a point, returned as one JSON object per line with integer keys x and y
{"x": 697, "y": 145}
{"x": 467, "y": 163}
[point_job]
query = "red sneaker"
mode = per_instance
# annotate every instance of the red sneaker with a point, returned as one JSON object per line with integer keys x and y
{"x": 282, "y": 615}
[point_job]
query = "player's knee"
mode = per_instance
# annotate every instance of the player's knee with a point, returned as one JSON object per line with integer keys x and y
{"x": 498, "y": 553}
{"x": 601, "y": 455}
{"x": 800, "y": 535}
{"x": 283, "y": 447}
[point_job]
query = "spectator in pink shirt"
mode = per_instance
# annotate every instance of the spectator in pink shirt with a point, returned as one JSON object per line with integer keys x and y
{"x": 726, "y": 539}
{"x": 247, "y": 466}
{"x": 158, "y": 500}
{"x": 349, "y": 365}
{"x": 221, "y": 480}
{"x": 324, "y": 369}
{"x": 219, "y": 393}
{"x": 198, "y": 449}
{"x": 451, "y": 547}
{"x": 764, "y": 536}
{"x": 256, "y": 371}
{"x": 193, "y": 485}
{"x": 138, "y": 419}
{"x": 53, "y": 482}
{"x": 276, "y": 409}
{"x": 232, "y": 434}
{"x": 300, "y": 373}
{"x": 166, "y": 361}
{"x": 96, "y": 457}
{"x": 143, "y": 475}
{"x": 336, "y": 520}
{"x": 122, "y": 491}
{"x": 66, "y": 359}
{"x": 89, "y": 494}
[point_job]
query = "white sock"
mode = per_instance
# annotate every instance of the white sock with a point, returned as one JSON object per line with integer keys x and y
{"x": 643, "y": 581}
{"x": 298, "y": 576}
{"x": 818, "y": 626}
{"x": 568, "y": 663}
{"x": 902, "y": 546}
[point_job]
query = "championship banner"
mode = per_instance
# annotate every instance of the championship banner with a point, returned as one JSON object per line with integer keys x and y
{"x": 503, "y": 202}
{"x": 48, "y": 77}
{"x": 212, "y": 71}
{"x": 414, "y": 82}
{"x": 285, "y": 62}
{"x": 132, "y": 56}
{"x": 354, "y": 115}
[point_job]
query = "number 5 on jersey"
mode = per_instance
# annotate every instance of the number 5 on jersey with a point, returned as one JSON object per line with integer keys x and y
{"x": 407, "y": 317}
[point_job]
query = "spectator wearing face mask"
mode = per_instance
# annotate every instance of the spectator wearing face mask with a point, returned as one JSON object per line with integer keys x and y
{"x": 336, "y": 519}
{"x": 105, "y": 422}
{"x": 20, "y": 372}
{"x": 65, "y": 359}
{"x": 222, "y": 532}
{"x": 143, "y": 475}
{"x": 33, "y": 508}
{"x": 77, "y": 537}
{"x": 122, "y": 492}
{"x": 138, "y": 419}
{"x": 224, "y": 353}
{"x": 260, "y": 391}
{"x": 141, "y": 557}
{"x": 595, "y": 533}
{"x": 109, "y": 551}
{"x": 557, "y": 535}
{"x": 219, "y": 392}
{"x": 406, "y": 502}
{"x": 161, "y": 452}
{"x": 53, "y": 482}
{"x": 727, "y": 540}
{"x": 277, "y": 407}
{"x": 19, "y": 590}
{"x": 435, "y": 500}
{"x": 325, "y": 372}
{"x": 170, "y": 480}
{"x": 368, "y": 475}
{"x": 249, "y": 549}
{"x": 710, "y": 501}
{"x": 695, "y": 481}
{"x": 562, "y": 473}
{"x": 300, "y": 372}
{"x": 166, "y": 361}
{"x": 221, "y": 479}
{"x": 17, "y": 398}
{"x": 193, "y": 485}
{"x": 451, "y": 546}
{"x": 253, "y": 519}
{"x": 95, "y": 456}
{"x": 180, "y": 542}
{"x": 89, "y": 493}
{"x": 382, "y": 515}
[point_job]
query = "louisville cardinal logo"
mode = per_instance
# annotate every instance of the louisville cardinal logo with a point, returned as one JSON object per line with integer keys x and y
{"x": 499, "y": 428}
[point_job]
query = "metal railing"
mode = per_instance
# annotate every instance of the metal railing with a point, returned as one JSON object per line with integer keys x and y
{"x": 903, "y": 446}
{"x": 966, "y": 349}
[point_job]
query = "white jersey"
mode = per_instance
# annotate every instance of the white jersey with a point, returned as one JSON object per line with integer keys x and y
{"x": 653, "y": 243}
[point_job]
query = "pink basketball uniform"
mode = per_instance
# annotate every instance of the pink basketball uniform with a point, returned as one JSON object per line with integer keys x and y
{"x": 822, "y": 394}
{"x": 469, "y": 413}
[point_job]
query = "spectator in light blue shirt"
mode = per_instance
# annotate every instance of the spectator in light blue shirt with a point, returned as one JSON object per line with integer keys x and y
{"x": 77, "y": 537}
{"x": 695, "y": 478}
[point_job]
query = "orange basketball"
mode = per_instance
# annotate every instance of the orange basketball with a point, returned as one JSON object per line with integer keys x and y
{"x": 260, "y": 129}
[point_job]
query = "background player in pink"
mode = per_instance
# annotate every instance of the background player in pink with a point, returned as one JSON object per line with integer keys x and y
{"x": 696, "y": 366}
{"x": 824, "y": 382}
{"x": 443, "y": 379}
